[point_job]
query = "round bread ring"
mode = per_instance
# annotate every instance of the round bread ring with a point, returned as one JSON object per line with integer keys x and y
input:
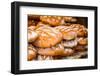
{"x": 48, "y": 37}
{"x": 52, "y": 20}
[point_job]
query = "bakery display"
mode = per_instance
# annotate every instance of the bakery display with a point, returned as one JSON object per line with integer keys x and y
{"x": 57, "y": 37}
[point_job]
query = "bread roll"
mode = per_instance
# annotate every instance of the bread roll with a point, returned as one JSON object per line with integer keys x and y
{"x": 58, "y": 50}
{"x": 32, "y": 35}
{"x": 70, "y": 44}
{"x": 67, "y": 32}
{"x": 48, "y": 37}
{"x": 80, "y": 29}
{"x": 69, "y": 19}
{"x": 52, "y": 20}
{"x": 82, "y": 41}
{"x": 31, "y": 53}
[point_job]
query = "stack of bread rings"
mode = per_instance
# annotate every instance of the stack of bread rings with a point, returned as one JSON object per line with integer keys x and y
{"x": 56, "y": 37}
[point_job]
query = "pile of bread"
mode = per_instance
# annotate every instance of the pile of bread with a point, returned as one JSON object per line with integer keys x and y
{"x": 56, "y": 37}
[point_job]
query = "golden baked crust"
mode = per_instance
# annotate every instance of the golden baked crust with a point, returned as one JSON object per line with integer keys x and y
{"x": 57, "y": 50}
{"x": 52, "y": 20}
{"x": 48, "y": 37}
{"x": 32, "y": 36}
{"x": 32, "y": 28}
{"x": 82, "y": 41}
{"x": 69, "y": 52}
{"x": 31, "y": 53}
{"x": 52, "y": 51}
{"x": 41, "y": 24}
{"x": 80, "y": 29}
{"x": 67, "y": 32}
{"x": 69, "y": 19}
{"x": 70, "y": 43}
